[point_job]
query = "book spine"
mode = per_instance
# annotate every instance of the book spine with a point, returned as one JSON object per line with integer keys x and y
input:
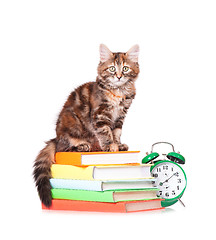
{"x": 82, "y": 195}
{"x": 90, "y": 185}
{"x": 70, "y": 205}
{"x": 66, "y": 158}
{"x": 72, "y": 172}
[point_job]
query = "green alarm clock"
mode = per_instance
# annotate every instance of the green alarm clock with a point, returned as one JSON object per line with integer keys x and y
{"x": 169, "y": 176}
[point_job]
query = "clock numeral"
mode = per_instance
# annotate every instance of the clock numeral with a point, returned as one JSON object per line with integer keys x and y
{"x": 177, "y": 187}
{"x": 172, "y": 169}
{"x": 158, "y": 169}
{"x": 160, "y": 193}
{"x": 165, "y": 167}
{"x": 173, "y": 192}
{"x": 179, "y": 180}
{"x": 167, "y": 194}
{"x": 155, "y": 175}
{"x": 177, "y": 174}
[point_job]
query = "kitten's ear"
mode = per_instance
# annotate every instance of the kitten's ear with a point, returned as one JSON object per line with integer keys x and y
{"x": 133, "y": 53}
{"x": 105, "y": 53}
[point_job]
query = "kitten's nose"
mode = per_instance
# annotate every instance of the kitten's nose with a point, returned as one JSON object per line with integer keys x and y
{"x": 119, "y": 77}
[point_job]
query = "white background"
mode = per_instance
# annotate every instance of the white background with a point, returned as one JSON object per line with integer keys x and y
{"x": 47, "y": 48}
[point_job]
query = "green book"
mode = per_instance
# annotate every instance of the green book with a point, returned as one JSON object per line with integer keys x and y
{"x": 104, "y": 196}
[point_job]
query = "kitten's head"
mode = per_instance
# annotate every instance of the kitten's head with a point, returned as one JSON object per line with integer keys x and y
{"x": 117, "y": 69}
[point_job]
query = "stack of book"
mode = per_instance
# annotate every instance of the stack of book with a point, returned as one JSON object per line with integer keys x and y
{"x": 102, "y": 182}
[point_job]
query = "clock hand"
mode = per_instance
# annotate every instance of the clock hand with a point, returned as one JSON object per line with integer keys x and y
{"x": 169, "y": 178}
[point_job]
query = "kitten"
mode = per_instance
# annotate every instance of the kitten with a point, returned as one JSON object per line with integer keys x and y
{"x": 93, "y": 115}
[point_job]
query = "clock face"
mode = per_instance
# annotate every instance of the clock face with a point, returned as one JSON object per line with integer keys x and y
{"x": 170, "y": 179}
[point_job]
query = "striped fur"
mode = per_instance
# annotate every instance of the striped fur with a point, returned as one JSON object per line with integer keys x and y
{"x": 93, "y": 115}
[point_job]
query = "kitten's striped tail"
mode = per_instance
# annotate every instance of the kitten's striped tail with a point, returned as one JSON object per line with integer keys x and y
{"x": 42, "y": 172}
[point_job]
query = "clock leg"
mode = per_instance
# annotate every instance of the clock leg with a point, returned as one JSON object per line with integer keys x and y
{"x": 181, "y": 202}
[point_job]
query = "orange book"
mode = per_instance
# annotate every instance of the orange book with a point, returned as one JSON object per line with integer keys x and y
{"x": 124, "y": 207}
{"x": 97, "y": 158}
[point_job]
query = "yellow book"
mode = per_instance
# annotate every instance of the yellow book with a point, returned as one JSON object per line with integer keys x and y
{"x": 72, "y": 172}
{"x": 108, "y": 172}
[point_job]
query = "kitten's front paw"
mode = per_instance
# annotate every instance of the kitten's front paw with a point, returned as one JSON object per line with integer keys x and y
{"x": 113, "y": 147}
{"x": 83, "y": 148}
{"x": 123, "y": 147}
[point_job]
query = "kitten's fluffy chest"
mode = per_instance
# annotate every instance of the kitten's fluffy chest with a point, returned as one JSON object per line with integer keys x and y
{"x": 116, "y": 112}
{"x": 115, "y": 98}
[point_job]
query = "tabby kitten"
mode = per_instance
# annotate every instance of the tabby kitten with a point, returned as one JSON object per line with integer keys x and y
{"x": 93, "y": 115}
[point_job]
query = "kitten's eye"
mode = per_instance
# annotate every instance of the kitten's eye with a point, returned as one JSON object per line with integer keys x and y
{"x": 125, "y": 69}
{"x": 112, "y": 69}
